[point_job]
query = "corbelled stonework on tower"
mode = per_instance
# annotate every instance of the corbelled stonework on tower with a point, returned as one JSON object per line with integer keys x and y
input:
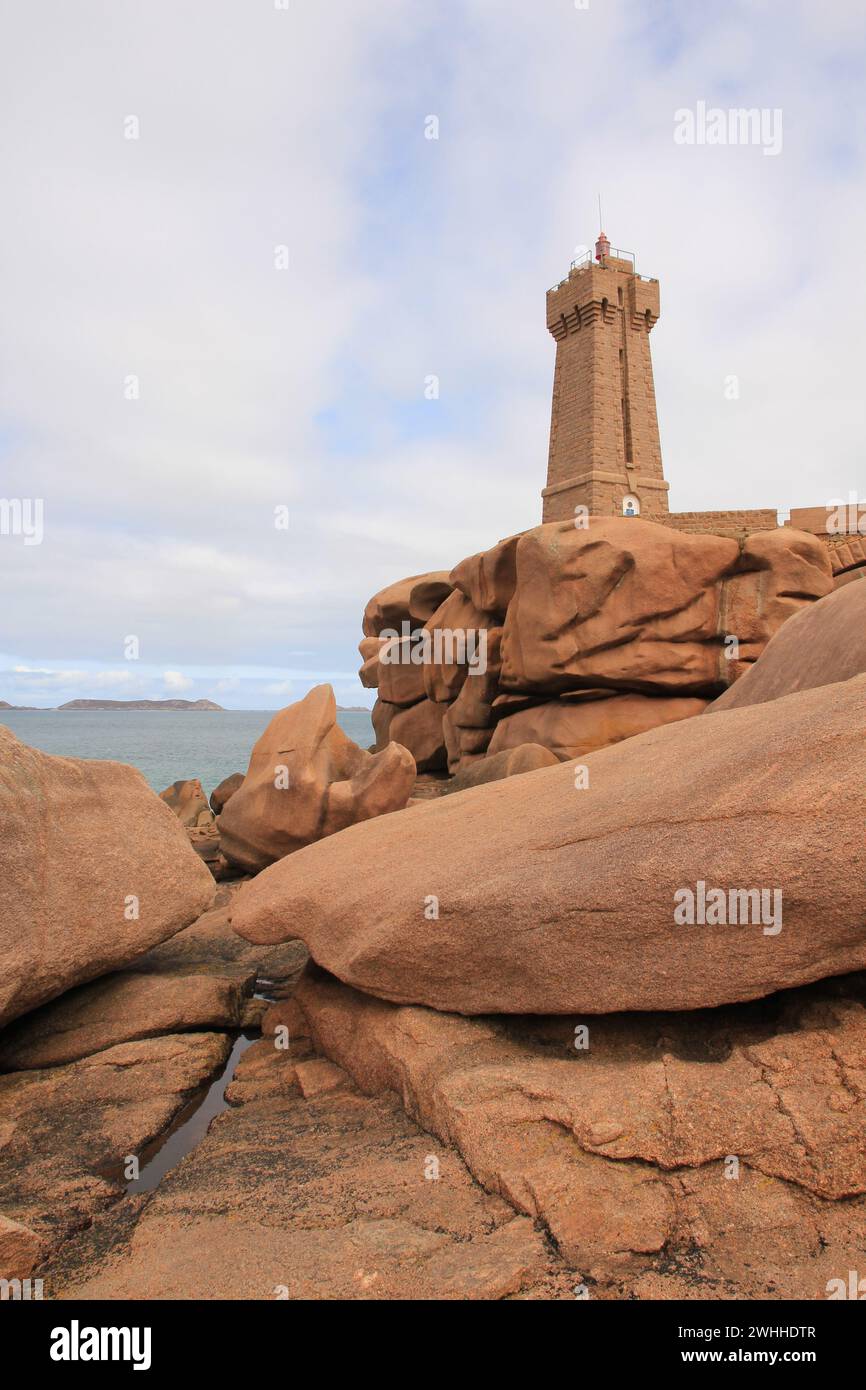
{"x": 605, "y": 452}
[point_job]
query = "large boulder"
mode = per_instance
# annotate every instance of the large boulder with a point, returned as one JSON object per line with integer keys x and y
{"x": 635, "y": 605}
{"x": 554, "y": 893}
{"x": 400, "y": 679}
{"x": 822, "y": 644}
{"x": 419, "y": 729}
{"x": 226, "y": 789}
{"x": 306, "y": 780}
{"x": 189, "y": 803}
{"x": 370, "y": 647}
{"x": 94, "y": 870}
{"x": 488, "y": 580}
{"x": 459, "y": 645}
{"x": 571, "y": 728}
{"x": 408, "y": 600}
{"x": 120, "y": 1008}
{"x": 468, "y": 723}
{"x": 619, "y": 606}
{"x": 528, "y": 757}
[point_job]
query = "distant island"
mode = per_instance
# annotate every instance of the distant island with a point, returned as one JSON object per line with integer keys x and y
{"x": 151, "y": 704}
{"x": 141, "y": 704}
{"x": 119, "y": 704}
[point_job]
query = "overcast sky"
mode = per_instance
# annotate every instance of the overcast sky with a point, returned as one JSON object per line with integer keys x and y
{"x": 153, "y": 264}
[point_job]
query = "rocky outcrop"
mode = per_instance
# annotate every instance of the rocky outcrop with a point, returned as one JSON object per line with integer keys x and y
{"x": 306, "y": 780}
{"x": 105, "y": 1073}
{"x": 578, "y": 724}
{"x": 359, "y": 1203}
{"x": 122, "y": 1008}
{"x": 822, "y": 644}
{"x": 189, "y": 803}
{"x": 660, "y": 1151}
{"x": 20, "y": 1249}
{"x": 226, "y": 789}
{"x": 420, "y": 728}
{"x": 648, "y": 609}
{"x": 613, "y": 889}
{"x": 409, "y": 600}
{"x": 622, "y": 606}
{"x": 95, "y": 870}
{"x": 528, "y": 757}
{"x": 66, "y": 1131}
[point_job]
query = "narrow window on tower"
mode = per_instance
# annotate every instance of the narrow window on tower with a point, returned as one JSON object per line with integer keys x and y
{"x": 626, "y": 420}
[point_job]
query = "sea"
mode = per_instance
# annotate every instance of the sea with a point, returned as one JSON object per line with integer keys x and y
{"x": 163, "y": 744}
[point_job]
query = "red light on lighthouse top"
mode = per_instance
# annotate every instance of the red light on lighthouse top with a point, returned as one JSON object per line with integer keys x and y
{"x": 602, "y": 247}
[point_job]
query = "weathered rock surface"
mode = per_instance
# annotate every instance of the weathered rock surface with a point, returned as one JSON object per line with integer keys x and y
{"x": 636, "y": 605}
{"x": 210, "y": 946}
{"x": 65, "y": 1128}
{"x": 571, "y": 728}
{"x": 408, "y": 600}
{"x": 189, "y": 803}
{"x": 621, "y": 605}
{"x": 455, "y": 646}
{"x": 205, "y": 840}
{"x": 719, "y": 1154}
{"x": 306, "y": 780}
{"x": 121, "y": 1008}
{"x": 325, "y": 1195}
{"x": 94, "y": 871}
{"x": 468, "y": 720}
{"x": 420, "y": 730}
{"x": 370, "y": 647}
{"x": 528, "y": 757}
{"x": 20, "y": 1249}
{"x": 400, "y": 680}
{"x": 822, "y": 644}
{"x": 553, "y": 897}
{"x": 226, "y": 789}
{"x": 66, "y": 1131}
{"x": 489, "y": 579}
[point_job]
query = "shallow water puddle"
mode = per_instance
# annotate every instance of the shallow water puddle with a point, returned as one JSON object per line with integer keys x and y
{"x": 190, "y": 1125}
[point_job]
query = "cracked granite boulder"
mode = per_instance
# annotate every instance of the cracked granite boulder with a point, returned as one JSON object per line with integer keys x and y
{"x": 549, "y": 892}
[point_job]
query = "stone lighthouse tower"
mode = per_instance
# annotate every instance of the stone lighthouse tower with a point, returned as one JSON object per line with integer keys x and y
{"x": 605, "y": 453}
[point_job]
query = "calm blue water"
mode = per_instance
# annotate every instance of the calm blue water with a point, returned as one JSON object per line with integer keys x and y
{"x": 163, "y": 744}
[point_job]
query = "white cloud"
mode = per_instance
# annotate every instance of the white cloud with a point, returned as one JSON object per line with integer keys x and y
{"x": 281, "y": 688}
{"x": 174, "y": 680}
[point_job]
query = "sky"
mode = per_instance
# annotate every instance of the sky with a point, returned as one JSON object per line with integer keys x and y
{"x": 232, "y": 258}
